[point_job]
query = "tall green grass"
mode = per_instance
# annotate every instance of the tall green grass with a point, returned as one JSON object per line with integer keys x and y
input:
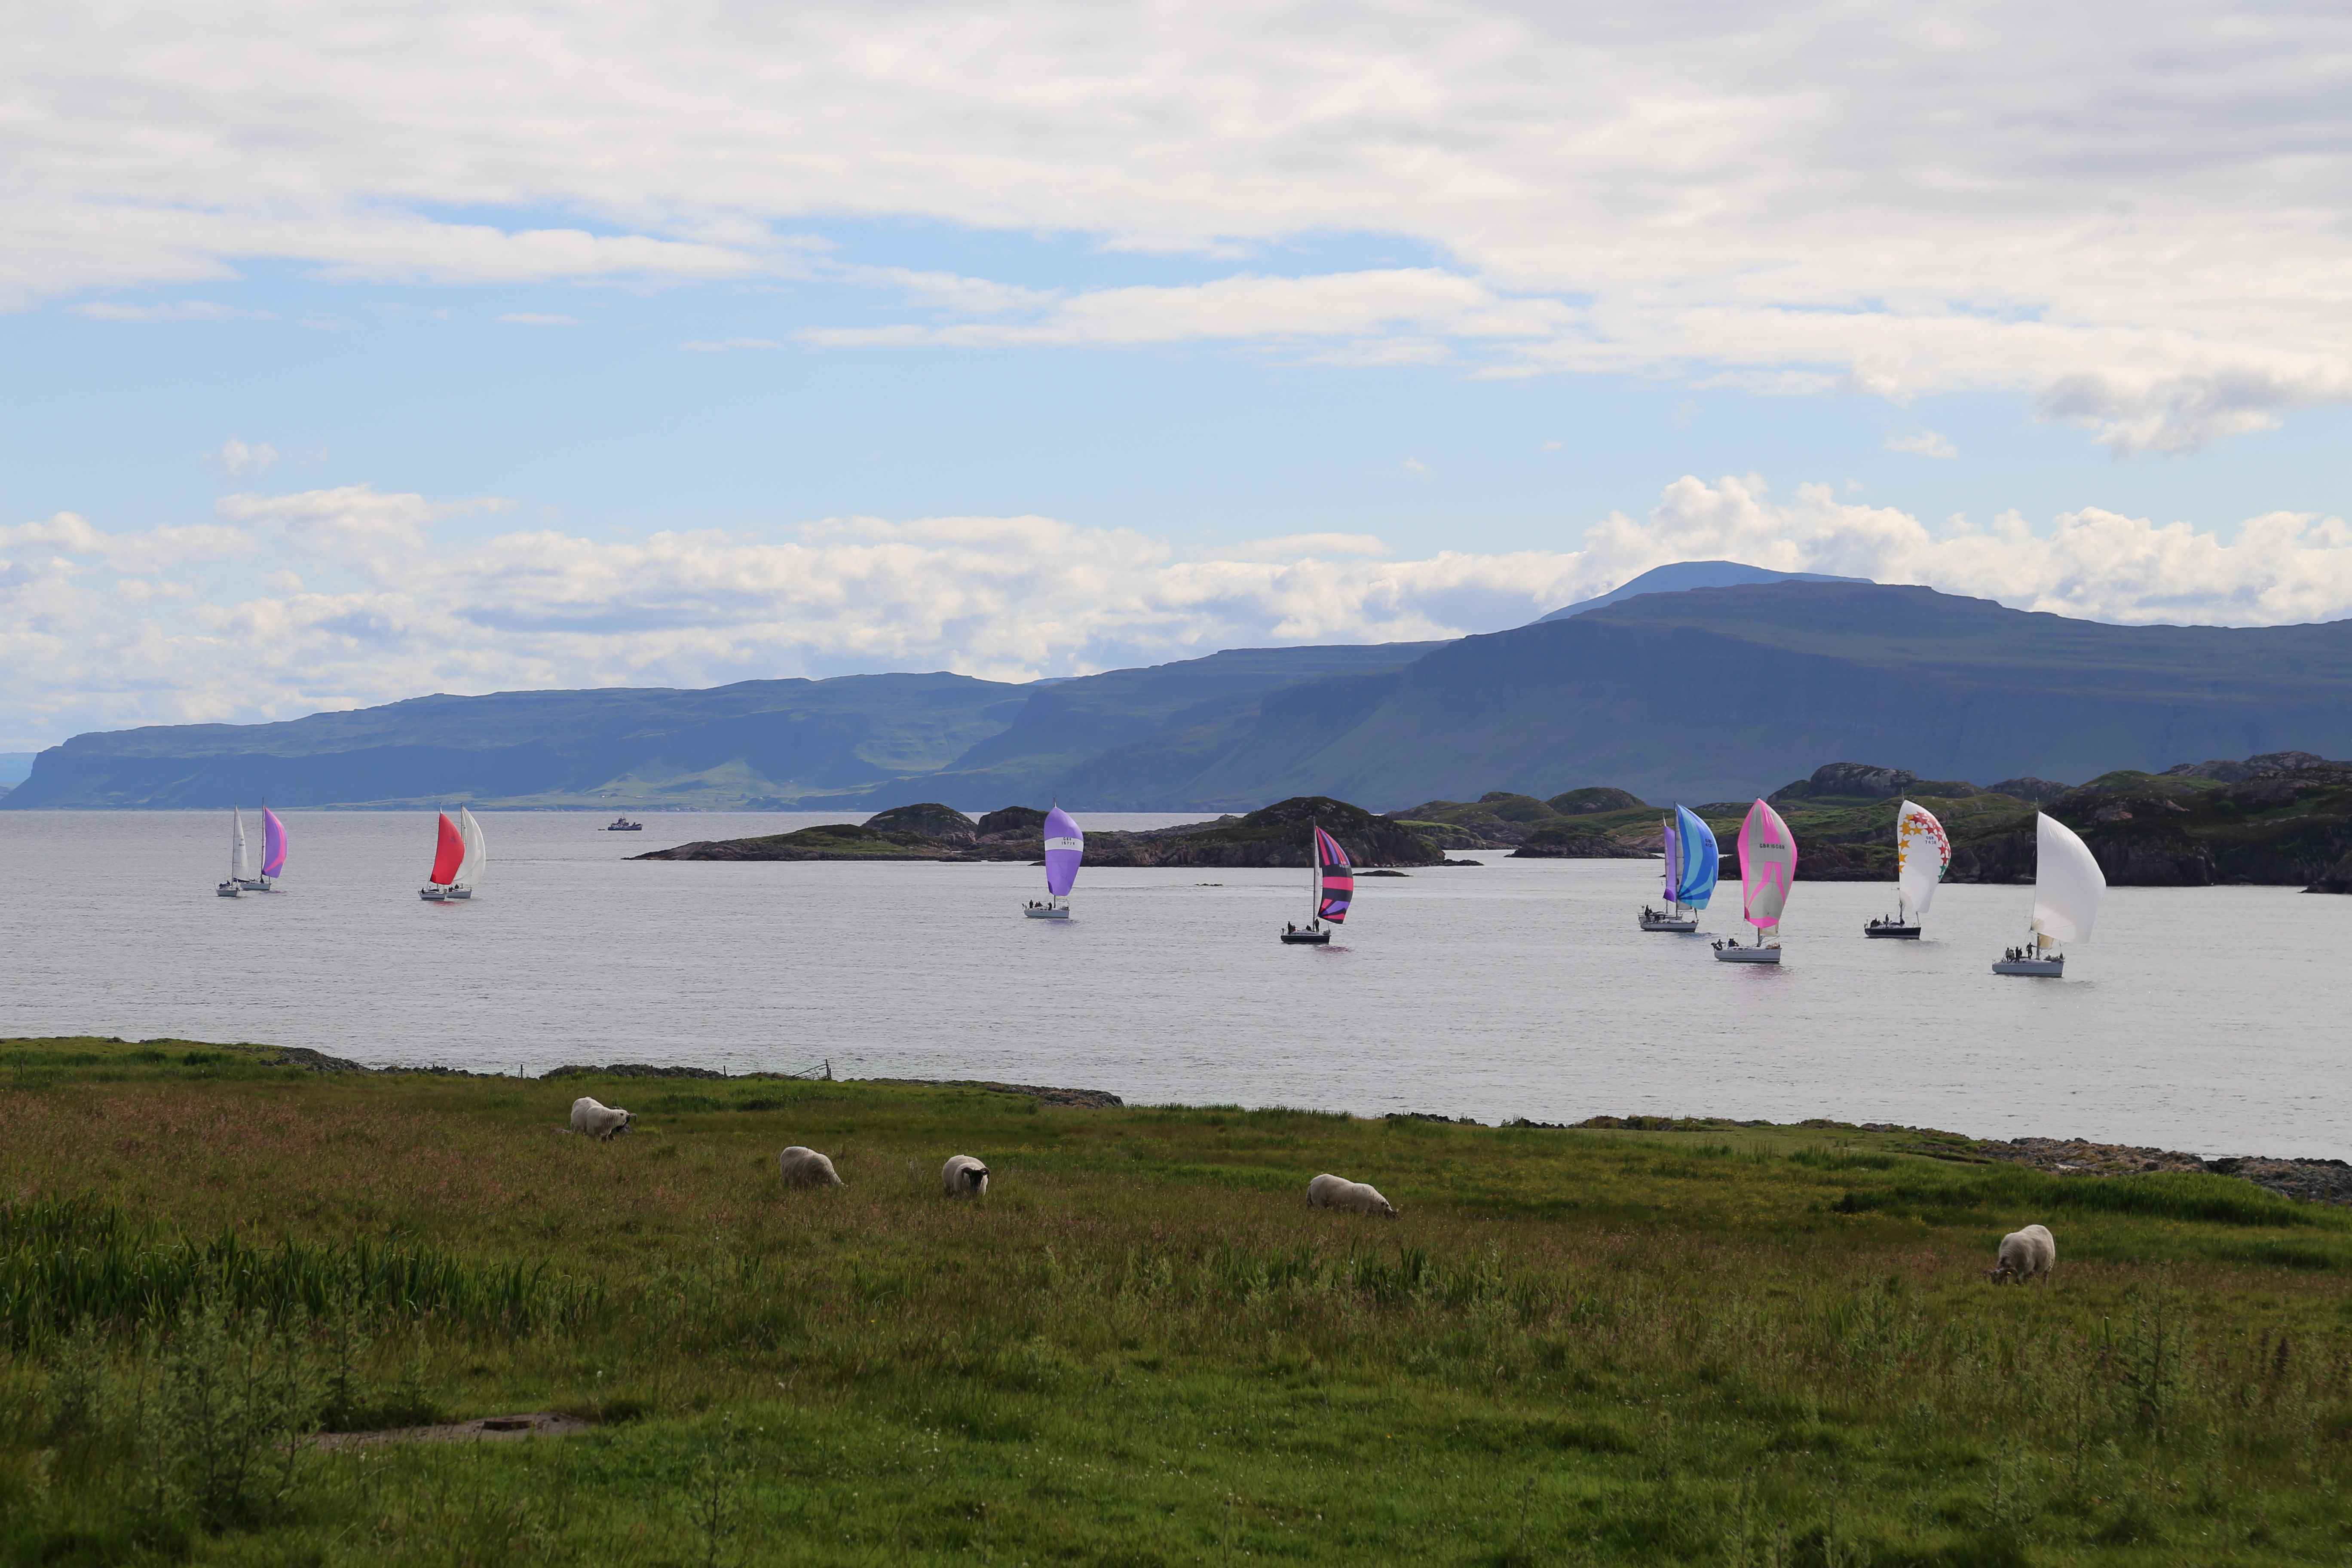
{"x": 64, "y": 1260}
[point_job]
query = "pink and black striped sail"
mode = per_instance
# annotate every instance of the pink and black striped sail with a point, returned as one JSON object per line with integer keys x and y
{"x": 1337, "y": 879}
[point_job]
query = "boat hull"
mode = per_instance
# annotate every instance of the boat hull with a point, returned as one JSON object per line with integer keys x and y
{"x": 1749, "y": 955}
{"x": 434, "y": 895}
{"x": 1048, "y": 914}
{"x": 1900, "y": 934}
{"x": 228, "y": 889}
{"x": 1670, "y": 925}
{"x": 2038, "y": 968}
{"x": 1306, "y": 938}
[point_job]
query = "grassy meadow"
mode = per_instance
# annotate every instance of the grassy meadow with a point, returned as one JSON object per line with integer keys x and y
{"x": 1703, "y": 1343}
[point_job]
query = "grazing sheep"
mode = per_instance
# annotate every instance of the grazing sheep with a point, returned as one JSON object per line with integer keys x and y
{"x": 2026, "y": 1255}
{"x": 964, "y": 1176}
{"x": 1329, "y": 1192}
{"x": 806, "y": 1168}
{"x": 606, "y": 1121}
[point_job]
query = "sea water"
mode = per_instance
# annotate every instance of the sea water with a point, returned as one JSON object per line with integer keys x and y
{"x": 2207, "y": 1020}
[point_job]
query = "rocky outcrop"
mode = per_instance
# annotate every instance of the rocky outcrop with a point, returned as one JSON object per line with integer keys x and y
{"x": 2238, "y": 772}
{"x": 836, "y": 841}
{"x": 1275, "y": 836}
{"x": 1859, "y": 780}
{"x": 2305, "y": 1181}
{"x": 1569, "y": 843}
{"x": 941, "y": 823}
{"x": 1013, "y": 819}
{"x": 2038, "y": 791}
{"x": 2337, "y": 878}
{"x": 1596, "y": 798}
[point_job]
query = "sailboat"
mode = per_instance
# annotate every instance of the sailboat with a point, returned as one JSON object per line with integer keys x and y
{"x": 1922, "y": 852}
{"x": 448, "y": 857}
{"x": 239, "y": 873}
{"x": 2067, "y": 887}
{"x": 1768, "y": 863}
{"x": 1330, "y": 887}
{"x": 1692, "y": 863}
{"x": 1065, "y": 847}
{"x": 273, "y": 854}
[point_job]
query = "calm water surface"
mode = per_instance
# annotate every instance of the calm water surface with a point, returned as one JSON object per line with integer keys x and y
{"x": 2208, "y": 1020}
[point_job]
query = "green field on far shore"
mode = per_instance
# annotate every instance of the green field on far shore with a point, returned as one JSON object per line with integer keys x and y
{"x": 1715, "y": 1344}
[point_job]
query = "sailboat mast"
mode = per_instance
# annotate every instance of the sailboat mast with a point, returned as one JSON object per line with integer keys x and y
{"x": 1314, "y": 876}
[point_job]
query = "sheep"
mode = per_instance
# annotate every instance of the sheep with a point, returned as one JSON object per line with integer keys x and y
{"x": 2025, "y": 1255}
{"x": 1329, "y": 1192}
{"x": 606, "y": 1121}
{"x": 964, "y": 1176}
{"x": 803, "y": 1168}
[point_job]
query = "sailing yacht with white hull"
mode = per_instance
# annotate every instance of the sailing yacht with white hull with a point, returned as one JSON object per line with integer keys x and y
{"x": 1768, "y": 863}
{"x": 1330, "y": 888}
{"x": 1691, "y": 864}
{"x": 1922, "y": 852}
{"x": 448, "y": 857}
{"x": 1065, "y": 847}
{"x": 239, "y": 873}
{"x": 2067, "y": 887}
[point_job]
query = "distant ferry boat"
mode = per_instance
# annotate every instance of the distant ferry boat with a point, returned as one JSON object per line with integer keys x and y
{"x": 623, "y": 824}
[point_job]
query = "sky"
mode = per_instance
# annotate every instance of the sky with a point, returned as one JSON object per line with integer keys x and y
{"x": 352, "y": 354}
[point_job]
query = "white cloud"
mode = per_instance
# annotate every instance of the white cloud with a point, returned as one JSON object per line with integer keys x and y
{"x": 1920, "y": 443}
{"x": 235, "y": 461}
{"x": 181, "y": 310}
{"x": 366, "y": 598}
{"x": 1796, "y": 198}
{"x": 1415, "y": 468}
{"x": 533, "y": 319}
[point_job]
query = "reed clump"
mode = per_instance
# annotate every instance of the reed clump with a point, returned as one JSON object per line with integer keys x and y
{"x": 1716, "y": 1344}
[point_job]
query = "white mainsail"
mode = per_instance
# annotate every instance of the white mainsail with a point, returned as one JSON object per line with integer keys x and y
{"x": 1923, "y": 850}
{"x": 2067, "y": 883}
{"x": 237, "y": 856}
{"x": 478, "y": 850}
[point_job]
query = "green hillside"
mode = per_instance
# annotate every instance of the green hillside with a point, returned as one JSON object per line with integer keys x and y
{"x": 1699, "y": 694}
{"x": 1713, "y": 694}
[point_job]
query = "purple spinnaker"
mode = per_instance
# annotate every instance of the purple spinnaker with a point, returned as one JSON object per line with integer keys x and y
{"x": 1673, "y": 862}
{"x": 1065, "y": 847}
{"x": 273, "y": 843}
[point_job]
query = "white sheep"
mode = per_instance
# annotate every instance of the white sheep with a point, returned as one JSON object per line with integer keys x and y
{"x": 803, "y": 1168}
{"x": 2026, "y": 1255}
{"x": 964, "y": 1176}
{"x": 1329, "y": 1192}
{"x": 606, "y": 1122}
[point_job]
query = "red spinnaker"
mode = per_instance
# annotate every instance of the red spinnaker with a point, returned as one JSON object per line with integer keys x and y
{"x": 450, "y": 854}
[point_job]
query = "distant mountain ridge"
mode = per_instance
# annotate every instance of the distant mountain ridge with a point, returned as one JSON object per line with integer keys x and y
{"x": 1688, "y": 575}
{"x": 1697, "y": 694}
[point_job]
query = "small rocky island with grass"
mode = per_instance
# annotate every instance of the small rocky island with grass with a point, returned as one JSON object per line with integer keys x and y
{"x": 1275, "y": 836}
{"x": 2283, "y": 818}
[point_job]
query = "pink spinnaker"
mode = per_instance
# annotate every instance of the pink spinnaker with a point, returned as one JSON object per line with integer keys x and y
{"x": 273, "y": 843}
{"x": 1768, "y": 863}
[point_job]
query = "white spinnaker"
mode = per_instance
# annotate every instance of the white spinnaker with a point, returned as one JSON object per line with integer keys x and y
{"x": 478, "y": 848}
{"x": 2067, "y": 883}
{"x": 236, "y": 857}
{"x": 1922, "y": 851}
